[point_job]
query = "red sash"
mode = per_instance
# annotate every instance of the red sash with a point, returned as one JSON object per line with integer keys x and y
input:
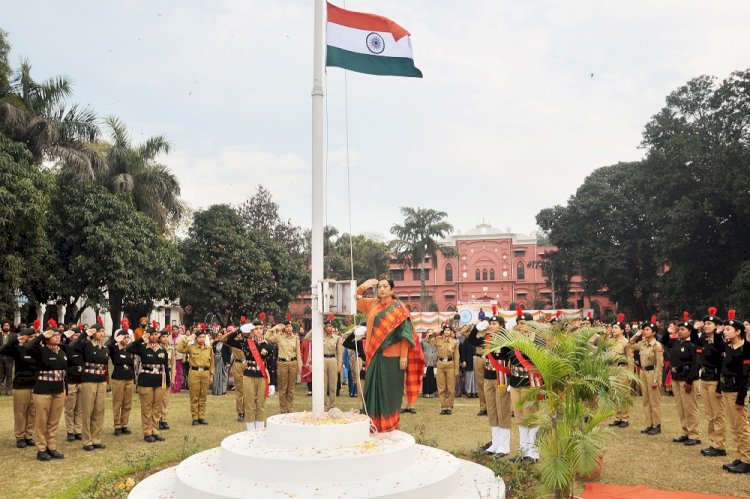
{"x": 535, "y": 379}
{"x": 259, "y": 360}
{"x": 501, "y": 370}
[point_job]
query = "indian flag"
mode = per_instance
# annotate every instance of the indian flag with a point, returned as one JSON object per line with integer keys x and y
{"x": 367, "y": 43}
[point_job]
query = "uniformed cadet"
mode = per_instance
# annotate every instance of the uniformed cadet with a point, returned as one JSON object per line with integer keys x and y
{"x": 447, "y": 367}
{"x": 333, "y": 358}
{"x": 479, "y": 364}
{"x": 288, "y": 364}
{"x": 171, "y": 349}
{"x": 49, "y": 391}
{"x": 355, "y": 342}
{"x": 93, "y": 383}
{"x": 735, "y": 371}
{"x": 238, "y": 367}
{"x": 523, "y": 376}
{"x": 24, "y": 379}
{"x": 257, "y": 379}
{"x": 651, "y": 354}
{"x": 496, "y": 372}
{"x": 122, "y": 381}
{"x": 74, "y": 397}
{"x": 201, "y": 358}
{"x": 619, "y": 345}
{"x": 713, "y": 350}
{"x": 153, "y": 380}
{"x": 685, "y": 361}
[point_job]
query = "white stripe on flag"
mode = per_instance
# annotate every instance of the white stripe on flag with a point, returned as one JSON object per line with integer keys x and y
{"x": 355, "y": 40}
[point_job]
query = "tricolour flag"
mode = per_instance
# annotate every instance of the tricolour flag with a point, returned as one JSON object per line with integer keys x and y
{"x": 367, "y": 43}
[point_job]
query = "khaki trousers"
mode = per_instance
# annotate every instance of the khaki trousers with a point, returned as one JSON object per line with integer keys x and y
{"x": 198, "y": 382}
{"x": 48, "y": 409}
{"x": 74, "y": 409}
{"x": 687, "y": 408}
{"x": 23, "y": 413}
{"x": 151, "y": 404}
{"x": 498, "y": 403}
{"x": 331, "y": 371}
{"x": 255, "y": 398}
{"x": 164, "y": 412}
{"x": 516, "y": 399}
{"x": 286, "y": 372}
{"x": 93, "y": 395}
{"x": 122, "y": 401}
{"x": 479, "y": 380}
{"x": 651, "y": 398}
{"x": 715, "y": 415}
{"x": 446, "y": 384}
{"x": 737, "y": 419}
{"x": 238, "y": 368}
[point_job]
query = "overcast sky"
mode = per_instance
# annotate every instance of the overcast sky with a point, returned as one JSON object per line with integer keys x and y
{"x": 520, "y": 100}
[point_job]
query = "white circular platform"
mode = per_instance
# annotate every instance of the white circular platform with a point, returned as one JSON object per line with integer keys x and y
{"x": 263, "y": 463}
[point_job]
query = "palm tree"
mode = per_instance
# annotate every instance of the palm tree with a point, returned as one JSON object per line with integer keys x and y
{"x": 37, "y": 115}
{"x": 417, "y": 238}
{"x": 132, "y": 171}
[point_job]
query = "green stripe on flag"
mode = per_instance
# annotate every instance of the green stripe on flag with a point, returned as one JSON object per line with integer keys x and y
{"x": 371, "y": 64}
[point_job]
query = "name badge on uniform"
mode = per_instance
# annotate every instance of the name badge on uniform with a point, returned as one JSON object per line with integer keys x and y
{"x": 682, "y": 349}
{"x": 122, "y": 356}
{"x": 160, "y": 355}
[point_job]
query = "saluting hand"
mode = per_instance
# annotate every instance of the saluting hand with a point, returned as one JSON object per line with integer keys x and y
{"x": 68, "y": 333}
{"x": 48, "y": 334}
{"x": 91, "y": 332}
{"x": 145, "y": 336}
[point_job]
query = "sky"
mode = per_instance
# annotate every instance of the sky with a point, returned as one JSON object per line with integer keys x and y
{"x": 520, "y": 100}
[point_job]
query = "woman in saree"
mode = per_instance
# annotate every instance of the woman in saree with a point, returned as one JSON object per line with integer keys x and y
{"x": 394, "y": 360}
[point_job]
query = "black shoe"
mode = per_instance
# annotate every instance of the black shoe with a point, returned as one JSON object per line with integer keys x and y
{"x": 615, "y": 423}
{"x": 21, "y": 443}
{"x": 55, "y": 454}
{"x": 443, "y": 412}
{"x": 71, "y": 437}
{"x": 655, "y": 430}
{"x": 163, "y": 425}
{"x": 412, "y": 410}
{"x": 202, "y": 421}
{"x": 158, "y": 438}
{"x": 624, "y": 424}
{"x": 195, "y": 422}
{"x": 404, "y": 410}
{"x": 740, "y": 468}
{"x": 100, "y": 446}
{"x": 88, "y": 448}
{"x": 691, "y": 441}
{"x": 43, "y": 456}
{"x": 449, "y": 412}
{"x": 149, "y": 439}
{"x": 482, "y": 412}
{"x": 708, "y": 451}
{"x": 733, "y": 463}
{"x": 713, "y": 452}
{"x": 117, "y": 432}
{"x": 680, "y": 439}
{"x": 30, "y": 441}
{"x": 240, "y": 418}
{"x": 125, "y": 430}
{"x": 79, "y": 436}
{"x": 647, "y": 430}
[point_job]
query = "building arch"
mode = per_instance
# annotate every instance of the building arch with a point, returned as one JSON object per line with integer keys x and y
{"x": 448, "y": 272}
{"x": 521, "y": 271}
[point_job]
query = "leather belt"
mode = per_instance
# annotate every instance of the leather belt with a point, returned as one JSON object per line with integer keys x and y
{"x": 199, "y": 369}
{"x": 648, "y": 368}
{"x": 329, "y": 356}
{"x": 288, "y": 360}
{"x": 445, "y": 359}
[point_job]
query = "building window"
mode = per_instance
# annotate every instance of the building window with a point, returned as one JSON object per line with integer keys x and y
{"x": 397, "y": 274}
{"x": 492, "y": 274}
{"x": 477, "y": 275}
{"x": 519, "y": 252}
{"x": 484, "y": 274}
{"x": 449, "y": 273}
{"x": 520, "y": 271}
{"x": 415, "y": 275}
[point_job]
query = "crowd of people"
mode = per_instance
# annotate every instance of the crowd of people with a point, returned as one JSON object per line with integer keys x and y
{"x": 384, "y": 361}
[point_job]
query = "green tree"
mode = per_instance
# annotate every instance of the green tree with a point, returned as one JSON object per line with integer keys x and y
{"x": 370, "y": 258}
{"x": 419, "y": 237}
{"x": 261, "y": 212}
{"x": 24, "y": 190}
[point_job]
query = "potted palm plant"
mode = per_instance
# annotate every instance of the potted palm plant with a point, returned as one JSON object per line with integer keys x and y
{"x": 582, "y": 383}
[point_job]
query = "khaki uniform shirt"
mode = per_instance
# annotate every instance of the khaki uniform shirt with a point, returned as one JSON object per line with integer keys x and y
{"x": 651, "y": 353}
{"x": 447, "y": 348}
{"x": 288, "y": 345}
{"x": 199, "y": 356}
{"x": 332, "y": 346}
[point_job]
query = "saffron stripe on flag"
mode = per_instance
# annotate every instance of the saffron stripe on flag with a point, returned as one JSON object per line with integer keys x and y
{"x": 360, "y": 20}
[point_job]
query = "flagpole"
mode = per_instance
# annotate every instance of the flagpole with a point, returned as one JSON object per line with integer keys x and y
{"x": 318, "y": 196}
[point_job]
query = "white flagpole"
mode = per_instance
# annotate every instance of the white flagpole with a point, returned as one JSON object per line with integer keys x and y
{"x": 318, "y": 196}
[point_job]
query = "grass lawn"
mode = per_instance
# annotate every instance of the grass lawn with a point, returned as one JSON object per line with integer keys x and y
{"x": 631, "y": 458}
